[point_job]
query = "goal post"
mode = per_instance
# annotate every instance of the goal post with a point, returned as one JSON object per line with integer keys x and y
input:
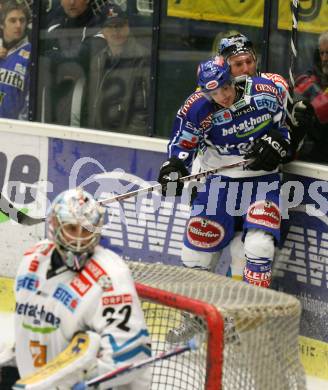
{"x": 212, "y": 319}
{"x": 249, "y": 334}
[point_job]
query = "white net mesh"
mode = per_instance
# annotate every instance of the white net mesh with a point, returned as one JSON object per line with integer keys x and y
{"x": 261, "y": 331}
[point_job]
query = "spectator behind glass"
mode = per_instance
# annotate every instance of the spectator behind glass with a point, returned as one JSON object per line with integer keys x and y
{"x": 70, "y": 28}
{"x": 15, "y": 51}
{"x": 310, "y": 112}
{"x": 64, "y": 56}
{"x": 118, "y": 84}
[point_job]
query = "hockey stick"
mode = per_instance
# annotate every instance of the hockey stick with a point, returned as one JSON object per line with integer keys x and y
{"x": 293, "y": 47}
{"x": 123, "y": 370}
{"x": 183, "y": 179}
{"x": 79, "y": 354}
{"x": 13, "y": 213}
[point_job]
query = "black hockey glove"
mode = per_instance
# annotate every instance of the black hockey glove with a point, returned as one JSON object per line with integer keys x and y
{"x": 303, "y": 115}
{"x": 268, "y": 151}
{"x": 170, "y": 172}
{"x": 8, "y": 377}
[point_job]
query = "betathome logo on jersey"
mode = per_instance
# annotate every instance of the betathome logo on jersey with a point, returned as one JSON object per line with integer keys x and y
{"x": 248, "y": 127}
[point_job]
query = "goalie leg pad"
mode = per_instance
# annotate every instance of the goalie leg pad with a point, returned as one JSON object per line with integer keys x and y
{"x": 259, "y": 252}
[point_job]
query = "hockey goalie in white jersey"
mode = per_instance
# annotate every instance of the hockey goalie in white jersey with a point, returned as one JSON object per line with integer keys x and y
{"x": 70, "y": 283}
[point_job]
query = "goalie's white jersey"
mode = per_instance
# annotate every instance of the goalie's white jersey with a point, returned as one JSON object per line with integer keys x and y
{"x": 101, "y": 298}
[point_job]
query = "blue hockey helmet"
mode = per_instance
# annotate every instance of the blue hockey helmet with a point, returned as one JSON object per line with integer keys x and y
{"x": 235, "y": 44}
{"x": 213, "y": 74}
{"x": 75, "y": 221}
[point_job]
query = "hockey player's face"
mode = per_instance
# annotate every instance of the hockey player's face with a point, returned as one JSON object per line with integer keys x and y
{"x": 76, "y": 235}
{"x": 74, "y": 8}
{"x": 242, "y": 64}
{"x": 225, "y": 96}
{"x": 14, "y": 26}
{"x": 323, "y": 50}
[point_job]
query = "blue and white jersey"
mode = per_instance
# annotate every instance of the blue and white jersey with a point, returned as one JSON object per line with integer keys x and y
{"x": 14, "y": 81}
{"x": 221, "y": 136}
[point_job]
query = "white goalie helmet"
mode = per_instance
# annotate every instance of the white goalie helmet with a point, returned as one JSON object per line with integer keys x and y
{"x": 74, "y": 224}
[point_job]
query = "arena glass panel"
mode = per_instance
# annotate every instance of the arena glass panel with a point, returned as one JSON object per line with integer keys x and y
{"x": 15, "y": 58}
{"x": 312, "y": 18}
{"x": 183, "y": 43}
{"x": 94, "y": 65}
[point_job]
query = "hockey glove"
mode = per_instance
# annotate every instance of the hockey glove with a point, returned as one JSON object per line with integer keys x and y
{"x": 169, "y": 176}
{"x": 268, "y": 151}
{"x": 8, "y": 377}
{"x": 303, "y": 115}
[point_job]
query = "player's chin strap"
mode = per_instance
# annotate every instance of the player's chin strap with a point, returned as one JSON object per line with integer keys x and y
{"x": 157, "y": 187}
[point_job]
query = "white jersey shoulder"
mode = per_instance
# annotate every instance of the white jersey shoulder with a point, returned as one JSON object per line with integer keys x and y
{"x": 281, "y": 84}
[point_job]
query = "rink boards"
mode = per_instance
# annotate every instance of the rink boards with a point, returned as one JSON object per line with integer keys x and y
{"x": 49, "y": 159}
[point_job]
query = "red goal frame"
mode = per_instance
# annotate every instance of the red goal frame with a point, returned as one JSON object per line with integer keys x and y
{"x": 215, "y": 325}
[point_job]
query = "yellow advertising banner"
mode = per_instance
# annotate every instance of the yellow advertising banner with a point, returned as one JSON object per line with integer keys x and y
{"x": 312, "y": 15}
{"x": 246, "y": 12}
{"x": 314, "y": 357}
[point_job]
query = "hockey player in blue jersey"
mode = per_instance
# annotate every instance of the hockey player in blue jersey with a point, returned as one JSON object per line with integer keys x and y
{"x": 221, "y": 124}
{"x": 15, "y": 52}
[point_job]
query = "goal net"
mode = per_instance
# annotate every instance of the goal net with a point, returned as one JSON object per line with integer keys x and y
{"x": 248, "y": 335}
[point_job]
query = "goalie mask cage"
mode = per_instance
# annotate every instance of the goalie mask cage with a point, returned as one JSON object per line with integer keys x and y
{"x": 249, "y": 335}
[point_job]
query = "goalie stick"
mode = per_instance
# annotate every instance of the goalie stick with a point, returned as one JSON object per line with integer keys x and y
{"x": 13, "y": 213}
{"x": 123, "y": 370}
{"x": 188, "y": 178}
{"x": 77, "y": 356}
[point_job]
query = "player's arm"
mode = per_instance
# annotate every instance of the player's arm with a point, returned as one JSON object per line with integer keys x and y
{"x": 270, "y": 150}
{"x": 187, "y": 135}
{"x": 119, "y": 320}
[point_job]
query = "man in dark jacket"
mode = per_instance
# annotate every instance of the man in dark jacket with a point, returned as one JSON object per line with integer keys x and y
{"x": 310, "y": 110}
{"x": 70, "y": 27}
{"x": 64, "y": 56}
{"x": 118, "y": 83}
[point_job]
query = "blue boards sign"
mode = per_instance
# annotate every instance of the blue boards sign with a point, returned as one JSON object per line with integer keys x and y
{"x": 142, "y": 228}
